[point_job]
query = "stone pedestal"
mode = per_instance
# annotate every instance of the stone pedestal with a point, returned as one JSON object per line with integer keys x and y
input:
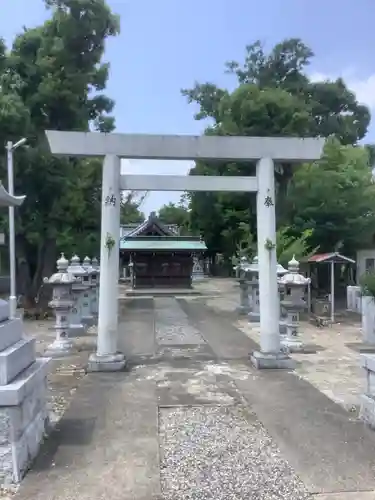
{"x": 89, "y": 295}
{"x": 94, "y": 290}
{"x": 254, "y": 314}
{"x": 198, "y": 271}
{"x": 354, "y": 299}
{"x": 96, "y": 266}
{"x": 283, "y": 313}
{"x": 367, "y": 410}
{"x": 263, "y": 360}
{"x": 76, "y": 325}
{"x": 23, "y": 399}
{"x": 368, "y": 319}
{"x": 244, "y": 306}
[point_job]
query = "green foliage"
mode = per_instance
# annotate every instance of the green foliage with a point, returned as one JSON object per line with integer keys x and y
{"x": 173, "y": 213}
{"x": 288, "y": 246}
{"x": 335, "y": 197}
{"x": 273, "y": 97}
{"x": 52, "y": 78}
{"x": 367, "y": 283}
{"x": 130, "y": 208}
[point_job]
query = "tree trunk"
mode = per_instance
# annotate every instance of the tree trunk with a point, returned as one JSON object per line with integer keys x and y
{"x": 35, "y": 263}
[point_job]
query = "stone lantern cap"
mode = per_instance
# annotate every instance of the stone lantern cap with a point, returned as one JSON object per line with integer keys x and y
{"x": 75, "y": 267}
{"x": 95, "y": 264}
{"x": 62, "y": 276}
{"x": 242, "y": 267}
{"x": 86, "y": 264}
{"x": 292, "y": 277}
{"x": 253, "y": 268}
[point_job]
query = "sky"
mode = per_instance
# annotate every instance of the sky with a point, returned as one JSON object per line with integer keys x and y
{"x": 166, "y": 45}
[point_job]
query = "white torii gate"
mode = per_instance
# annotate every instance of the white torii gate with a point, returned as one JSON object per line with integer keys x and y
{"x": 113, "y": 147}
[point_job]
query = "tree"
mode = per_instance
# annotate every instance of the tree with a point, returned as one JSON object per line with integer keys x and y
{"x": 52, "y": 78}
{"x": 335, "y": 197}
{"x": 178, "y": 214}
{"x": 130, "y": 209}
{"x": 274, "y": 96}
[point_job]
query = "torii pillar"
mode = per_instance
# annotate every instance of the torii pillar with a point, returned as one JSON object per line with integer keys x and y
{"x": 263, "y": 150}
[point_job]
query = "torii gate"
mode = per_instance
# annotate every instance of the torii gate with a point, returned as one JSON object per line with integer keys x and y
{"x": 113, "y": 147}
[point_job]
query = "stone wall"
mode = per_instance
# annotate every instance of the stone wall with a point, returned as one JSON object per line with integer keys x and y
{"x": 22, "y": 429}
{"x": 367, "y": 412}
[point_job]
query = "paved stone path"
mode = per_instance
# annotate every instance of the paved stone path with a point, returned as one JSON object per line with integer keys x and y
{"x": 191, "y": 419}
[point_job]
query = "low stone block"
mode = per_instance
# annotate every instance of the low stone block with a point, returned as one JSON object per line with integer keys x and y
{"x": 10, "y": 332}
{"x": 15, "y": 419}
{"x": 4, "y": 310}
{"x": 15, "y": 359}
{"x": 271, "y": 361}
{"x": 109, "y": 363}
{"x": 23, "y": 421}
{"x": 14, "y": 393}
{"x": 367, "y": 410}
{"x": 16, "y": 457}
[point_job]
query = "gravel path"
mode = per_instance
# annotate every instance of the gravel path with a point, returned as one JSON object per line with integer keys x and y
{"x": 172, "y": 325}
{"x": 222, "y": 453}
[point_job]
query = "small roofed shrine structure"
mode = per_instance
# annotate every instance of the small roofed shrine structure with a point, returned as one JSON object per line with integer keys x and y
{"x": 332, "y": 259}
{"x": 158, "y": 256}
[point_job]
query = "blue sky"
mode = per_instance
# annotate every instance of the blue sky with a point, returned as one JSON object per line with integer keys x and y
{"x": 166, "y": 45}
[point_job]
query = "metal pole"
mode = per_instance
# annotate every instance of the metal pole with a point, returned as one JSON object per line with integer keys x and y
{"x": 332, "y": 292}
{"x": 12, "y": 236}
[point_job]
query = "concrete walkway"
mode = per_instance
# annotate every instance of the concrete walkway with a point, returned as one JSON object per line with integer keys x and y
{"x": 192, "y": 420}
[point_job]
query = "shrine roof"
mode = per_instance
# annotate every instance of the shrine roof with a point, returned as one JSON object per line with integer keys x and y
{"x": 168, "y": 244}
{"x": 335, "y": 257}
{"x": 152, "y": 222}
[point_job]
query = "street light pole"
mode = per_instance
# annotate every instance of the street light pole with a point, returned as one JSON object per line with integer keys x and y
{"x": 10, "y": 147}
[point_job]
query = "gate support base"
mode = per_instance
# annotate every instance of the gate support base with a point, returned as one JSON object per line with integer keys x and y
{"x": 107, "y": 363}
{"x": 261, "y": 360}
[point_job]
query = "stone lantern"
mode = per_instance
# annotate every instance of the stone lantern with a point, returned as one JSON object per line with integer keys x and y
{"x": 94, "y": 286}
{"x": 61, "y": 304}
{"x": 79, "y": 288}
{"x": 294, "y": 285}
{"x": 281, "y": 271}
{"x": 95, "y": 264}
{"x": 241, "y": 270}
{"x": 253, "y": 283}
{"x": 253, "y": 272}
{"x": 92, "y": 275}
{"x": 197, "y": 273}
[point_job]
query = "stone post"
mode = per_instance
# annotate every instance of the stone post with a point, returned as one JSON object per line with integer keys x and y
{"x": 294, "y": 286}
{"x": 94, "y": 290}
{"x": 270, "y": 355}
{"x": 107, "y": 357}
{"x": 61, "y": 304}
{"x": 254, "y": 315}
{"x": 240, "y": 269}
{"x": 88, "y": 317}
{"x": 244, "y": 306}
{"x": 96, "y": 266}
{"x": 367, "y": 408}
{"x": 282, "y": 321}
{"x": 76, "y": 325}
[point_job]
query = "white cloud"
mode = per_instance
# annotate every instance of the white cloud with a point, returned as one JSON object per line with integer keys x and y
{"x": 364, "y": 88}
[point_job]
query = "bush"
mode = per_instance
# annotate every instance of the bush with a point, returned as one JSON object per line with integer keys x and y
{"x": 367, "y": 284}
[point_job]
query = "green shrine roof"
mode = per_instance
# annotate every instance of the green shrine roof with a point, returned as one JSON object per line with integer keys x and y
{"x": 162, "y": 244}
